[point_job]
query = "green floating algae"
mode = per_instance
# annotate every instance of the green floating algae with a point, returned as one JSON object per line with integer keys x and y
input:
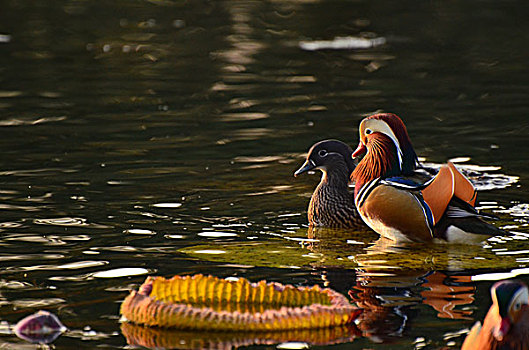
{"x": 345, "y": 249}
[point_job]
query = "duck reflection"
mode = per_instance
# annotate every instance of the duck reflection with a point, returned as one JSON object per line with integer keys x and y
{"x": 444, "y": 294}
{"x": 390, "y": 281}
{"x": 388, "y": 307}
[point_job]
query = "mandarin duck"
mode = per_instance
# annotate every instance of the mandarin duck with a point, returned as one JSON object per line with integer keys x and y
{"x": 395, "y": 204}
{"x": 506, "y": 325}
{"x": 331, "y": 204}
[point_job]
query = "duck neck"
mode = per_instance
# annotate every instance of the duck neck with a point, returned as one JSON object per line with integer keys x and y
{"x": 336, "y": 177}
{"x": 332, "y": 189}
{"x": 380, "y": 161}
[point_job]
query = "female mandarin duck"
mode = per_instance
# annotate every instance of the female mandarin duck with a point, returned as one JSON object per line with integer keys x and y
{"x": 506, "y": 325}
{"x": 332, "y": 203}
{"x": 398, "y": 208}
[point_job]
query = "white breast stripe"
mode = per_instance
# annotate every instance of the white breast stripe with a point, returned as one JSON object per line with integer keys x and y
{"x": 364, "y": 192}
{"x": 425, "y": 214}
{"x": 401, "y": 185}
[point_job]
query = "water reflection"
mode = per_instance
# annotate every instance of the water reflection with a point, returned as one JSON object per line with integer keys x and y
{"x": 445, "y": 293}
{"x": 389, "y": 300}
{"x": 388, "y": 281}
{"x": 156, "y": 338}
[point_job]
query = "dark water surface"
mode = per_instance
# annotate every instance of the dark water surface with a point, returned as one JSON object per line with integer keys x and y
{"x": 160, "y": 137}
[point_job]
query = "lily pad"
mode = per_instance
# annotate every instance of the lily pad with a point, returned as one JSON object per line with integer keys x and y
{"x": 210, "y": 303}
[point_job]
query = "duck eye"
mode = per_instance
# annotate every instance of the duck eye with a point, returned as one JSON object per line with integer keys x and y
{"x": 368, "y": 131}
{"x": 322, "y": 153}
{"x": 517, "y": 306}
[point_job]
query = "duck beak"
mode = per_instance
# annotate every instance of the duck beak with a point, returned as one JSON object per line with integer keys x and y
{"x": 501, "y": 331}
{"x": 360, "y": 150}
{"x": 308, "y": 165}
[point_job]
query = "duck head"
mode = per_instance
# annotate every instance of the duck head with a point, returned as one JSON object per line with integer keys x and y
{"x": 392, "y": 127}
{"x": 328, "y": 155}
{"x": 509, "y": 297}
{"x": 386, "y": 147}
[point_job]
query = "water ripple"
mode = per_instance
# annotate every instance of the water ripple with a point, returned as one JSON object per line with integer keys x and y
{"x": 37, "y": 303}
{"x": 81, "y": 265}
{"x": 496, "y": 276}
{"x": 8, "y": 224}
{"x": 5, "y": 38}
{"x": 34, "y": 121}
{"x": 48, "y": 240}
{"x": 139, "y": 231}
{"x": 68, "y": 221}
{"x": 235, "y": 117}
{"x": 78, "y": 278}
{"x": 167, "y": 205}
{"x": 37, "y": 172}
{"x": 14, "y": 285}
{"x": 10, "y": 94}
{"x": 342, "y": 43}
{"x": 27, "y": 208}
{"x": 122, "y": 272}
{"x": 518, "y": 210}
{"x": 69, "y": 266}
{"x": 261, "y": 159}
{"x": 89, "y": 334}
{"x": 19, "y": 257}
{"x": 174, "y": 236}
{"x": 217, "y": 234}
{"x": 75, "y": 238}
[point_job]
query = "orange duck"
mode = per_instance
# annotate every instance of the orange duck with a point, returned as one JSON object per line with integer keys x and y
{"x": 392, "y": 200}
{"x": 506, "y": 325}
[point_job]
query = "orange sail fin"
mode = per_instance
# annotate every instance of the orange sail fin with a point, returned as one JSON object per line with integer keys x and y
{"x": 463, "y": 188}
{"x": 438, "y": 193}
{"x": 449, "y": 182}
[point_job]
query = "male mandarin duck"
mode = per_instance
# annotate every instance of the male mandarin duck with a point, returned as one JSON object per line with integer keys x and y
{"x": 394, "y": 205}
{"x": 332, "y": 203}
{"x": 506, "y": 325}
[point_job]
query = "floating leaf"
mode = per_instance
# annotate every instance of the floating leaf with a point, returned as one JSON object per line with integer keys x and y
{"x": 207, "y": 302}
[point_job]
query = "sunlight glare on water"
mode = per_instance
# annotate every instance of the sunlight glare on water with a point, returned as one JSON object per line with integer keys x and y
{"x": 122, "y": 272}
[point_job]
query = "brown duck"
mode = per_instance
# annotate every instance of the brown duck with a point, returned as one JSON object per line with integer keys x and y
{"x": 332, "y": 203}
{"x": 506, "y": 325}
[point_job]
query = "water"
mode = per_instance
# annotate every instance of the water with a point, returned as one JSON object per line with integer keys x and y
{"x": 160, "y": 137}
